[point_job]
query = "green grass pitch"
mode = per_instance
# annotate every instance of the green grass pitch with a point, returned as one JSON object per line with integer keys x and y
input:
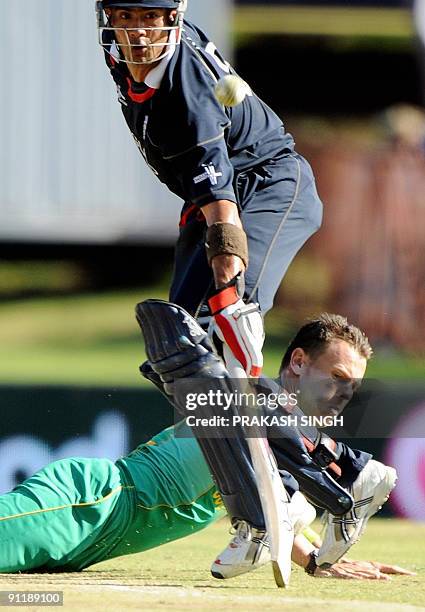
{"x": 176, "y": 577}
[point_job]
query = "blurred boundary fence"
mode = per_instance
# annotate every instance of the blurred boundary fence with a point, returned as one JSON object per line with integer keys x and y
{"x": 372, "y": 242}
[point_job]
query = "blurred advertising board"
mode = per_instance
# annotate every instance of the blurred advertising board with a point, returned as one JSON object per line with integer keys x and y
{"x": 43, "y": 424}
{"x": 347, "y": 3}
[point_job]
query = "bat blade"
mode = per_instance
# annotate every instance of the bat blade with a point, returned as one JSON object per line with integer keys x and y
{"x": 275, "y": 505}
{"x": 273, "y": 496}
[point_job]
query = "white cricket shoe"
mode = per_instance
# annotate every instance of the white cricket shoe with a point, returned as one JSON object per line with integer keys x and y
{"x": 248, "y": 550}
{"x": 250, "y": 547}
{"x": 370, "y": 491}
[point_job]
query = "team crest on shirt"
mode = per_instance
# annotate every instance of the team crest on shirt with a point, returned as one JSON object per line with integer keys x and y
{"x": 209, "y": 174}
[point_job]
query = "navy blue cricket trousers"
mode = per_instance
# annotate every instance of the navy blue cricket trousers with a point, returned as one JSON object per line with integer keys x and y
{"x": 279, "y": 209}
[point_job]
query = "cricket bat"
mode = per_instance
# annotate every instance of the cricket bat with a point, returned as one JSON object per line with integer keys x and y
{"x": 274, "y": 502}
{"x": 275, "y": 505}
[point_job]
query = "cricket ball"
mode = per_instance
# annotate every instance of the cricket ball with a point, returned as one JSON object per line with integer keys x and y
{"x": 231, "y": 90}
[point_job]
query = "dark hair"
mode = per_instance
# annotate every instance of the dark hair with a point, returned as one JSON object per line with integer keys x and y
{"x": 315, "y": 336}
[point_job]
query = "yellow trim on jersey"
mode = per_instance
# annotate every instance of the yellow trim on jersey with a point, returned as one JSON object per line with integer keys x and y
{"x": 91, "y": 503}
{"x": 183, "y": 503}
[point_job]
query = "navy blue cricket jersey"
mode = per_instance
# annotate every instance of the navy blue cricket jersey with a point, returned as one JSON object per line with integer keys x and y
{"x": 191, "y": 142}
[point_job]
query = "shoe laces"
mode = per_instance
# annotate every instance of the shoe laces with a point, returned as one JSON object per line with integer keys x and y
{"x": 242, "y": 532}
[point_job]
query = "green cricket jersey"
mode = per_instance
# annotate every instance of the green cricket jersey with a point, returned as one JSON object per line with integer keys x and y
{"x": 77, "y": 512}
{"x": 174, "y": 490}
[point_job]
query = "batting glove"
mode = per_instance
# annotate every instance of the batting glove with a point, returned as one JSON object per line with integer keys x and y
{"x": 240, "y": 327}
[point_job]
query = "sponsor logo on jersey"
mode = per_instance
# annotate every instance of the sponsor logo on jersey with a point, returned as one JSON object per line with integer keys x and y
{"x": 209, "y": 174}
{"x": 121, "y": 98}
{"x": 217, "y": 500}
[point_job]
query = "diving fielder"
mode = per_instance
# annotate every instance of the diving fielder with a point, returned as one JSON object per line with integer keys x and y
{"x": 249, "y": 200}
{"x": 77, "y": 512}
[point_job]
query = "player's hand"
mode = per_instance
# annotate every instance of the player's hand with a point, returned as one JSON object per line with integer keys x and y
{"x": 384, "y": 568}
{"x": 351, "y": 570}
{"x": 348, "y": 569}
{"x": 240, "y": 327}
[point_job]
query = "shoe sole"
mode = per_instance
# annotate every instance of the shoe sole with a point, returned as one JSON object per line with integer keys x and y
{"x": 276, "y": 573}
{"x": 217, "y": 575}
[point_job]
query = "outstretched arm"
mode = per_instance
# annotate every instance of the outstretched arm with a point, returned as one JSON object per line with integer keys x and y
{"x": 345, "y": 569}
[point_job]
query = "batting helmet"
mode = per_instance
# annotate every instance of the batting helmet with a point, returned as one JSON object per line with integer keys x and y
{"x": 107, "y": 30}
{"x": 167, "y": 4}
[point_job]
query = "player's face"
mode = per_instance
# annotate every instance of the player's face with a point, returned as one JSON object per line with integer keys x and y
{"x": 134, "y": 36}
{"x": 328, "y": 381}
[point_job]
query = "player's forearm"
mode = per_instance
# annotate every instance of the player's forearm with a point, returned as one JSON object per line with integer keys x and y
{"x": 224, "y": 267}
{"x": 301, "y": 551}
{"x": 223, "y": 211}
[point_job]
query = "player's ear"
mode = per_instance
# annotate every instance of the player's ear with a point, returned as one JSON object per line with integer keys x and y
{"x": 298, "y": 361}
{"x": 172, "y": 17}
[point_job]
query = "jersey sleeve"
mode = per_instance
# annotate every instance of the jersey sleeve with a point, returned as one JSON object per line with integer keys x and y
{"x": 195, "y": 142}
{"x": 205, "y": 172}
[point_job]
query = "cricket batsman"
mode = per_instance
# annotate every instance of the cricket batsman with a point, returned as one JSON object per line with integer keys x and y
{"x": 249, "y": 200}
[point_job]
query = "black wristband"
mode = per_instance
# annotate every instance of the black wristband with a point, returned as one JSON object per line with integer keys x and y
{"x": 311, "y": 566}
{"x": 237, "y": 281}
